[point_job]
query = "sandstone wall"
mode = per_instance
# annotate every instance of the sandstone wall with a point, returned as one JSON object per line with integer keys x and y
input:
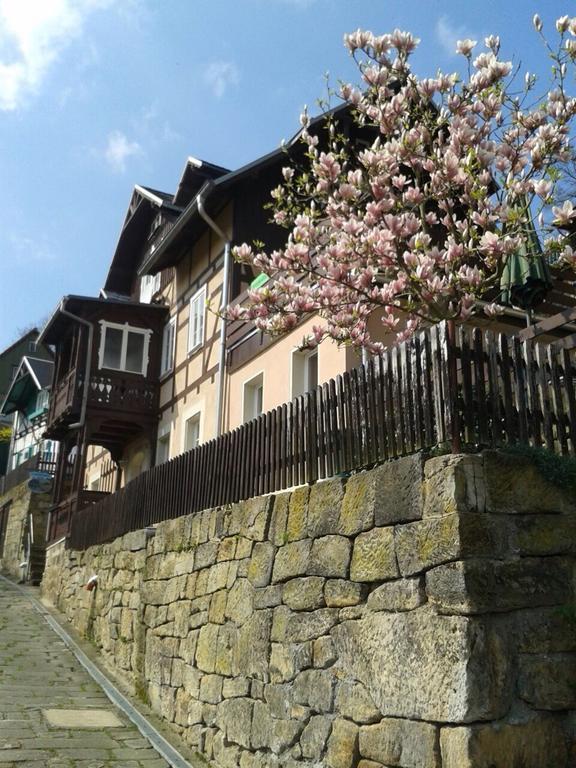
{"x": 415, "y": 616}
{"x": 23, "y": 503}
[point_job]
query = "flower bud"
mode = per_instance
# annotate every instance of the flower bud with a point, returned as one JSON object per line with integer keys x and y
{"x": 537, "y": 21}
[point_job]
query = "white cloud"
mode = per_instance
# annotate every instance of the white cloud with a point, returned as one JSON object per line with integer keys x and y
{"x": 220, "y": 76}
{"x": 25, "y": 249}
{"x": 33, "y": 34}
{"x": 447, "y": 33}
{"x": 119, "y": 149}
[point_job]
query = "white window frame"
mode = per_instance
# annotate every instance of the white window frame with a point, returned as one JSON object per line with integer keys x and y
{"x": 197, "y": 415}
{"x": 126, "y": 329}
{"x": 300, "y": 358}
{"x": 149, "y": 285}
{"x": 168, "y": 338}
{"x": 164, "y": 436}
{"x": 248, "y": 389}
{"x": 195, "y": 339}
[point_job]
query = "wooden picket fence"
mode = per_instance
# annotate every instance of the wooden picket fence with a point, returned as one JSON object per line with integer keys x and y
{"x": 448, "y": 387}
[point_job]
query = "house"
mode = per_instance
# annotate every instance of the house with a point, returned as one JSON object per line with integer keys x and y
{"x": 10, "y": 359}
{"x": 25, "y": 490}
{"x": 149, "y": 369}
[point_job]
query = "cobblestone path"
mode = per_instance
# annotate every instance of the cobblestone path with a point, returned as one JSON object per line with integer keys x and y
{"x": 39, "y": 673}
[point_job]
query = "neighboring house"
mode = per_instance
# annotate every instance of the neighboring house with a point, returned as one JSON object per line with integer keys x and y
{"x": 10, "y": 359}
{"x": 27, "y": 402}
{"x": 24, "y": 505}
{"x": 149, "y": 370}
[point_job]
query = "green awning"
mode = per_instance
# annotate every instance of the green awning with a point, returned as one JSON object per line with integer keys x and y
{"x": 526, "y": 277}
{"x": 23, "y": 389}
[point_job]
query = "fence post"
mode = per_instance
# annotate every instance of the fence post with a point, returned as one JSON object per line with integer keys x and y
{"x": 453, "y": 416}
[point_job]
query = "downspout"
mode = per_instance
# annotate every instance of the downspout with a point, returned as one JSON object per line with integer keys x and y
{"x": 88, "y": 367}
{"x": 222, "y": 363}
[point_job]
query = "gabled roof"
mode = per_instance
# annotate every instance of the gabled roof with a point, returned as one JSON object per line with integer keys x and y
{"x": 32, "y": 376}
{"x": 145, "y": 204}
{"x": 27, "y": 337}
{"x": 195, "y": 174}
{"x": 219, "y": 188}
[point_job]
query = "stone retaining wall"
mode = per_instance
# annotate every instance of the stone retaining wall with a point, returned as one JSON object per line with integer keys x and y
{"x": 416, "y": 616}
{"x": 22, "y": 504}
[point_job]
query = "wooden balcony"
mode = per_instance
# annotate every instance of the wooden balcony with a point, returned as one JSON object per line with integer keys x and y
{"x": 124, "y": 396}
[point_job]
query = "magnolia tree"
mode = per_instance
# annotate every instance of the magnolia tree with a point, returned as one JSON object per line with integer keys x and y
{"x": 418, "y": 226}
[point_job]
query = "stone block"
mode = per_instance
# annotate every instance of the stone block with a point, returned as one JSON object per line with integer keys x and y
{"x": 279, "y": 519}
{"x": 227, "y": 640}
{"x": 330, "y": 556}
{"x": 546, "y": 630}
{"x": 436, "y": 540}
{"x": 342, "y": 750}
{"x": 398, "y": 490}
{"x": 206, "y": 647}
{"x": 454, "y": 484}
{"x": 235, "y": 687}
{"x": 546, "y": 534}
{"x": 515, "y": 485}
{"x": 355, "y": 703}
{"x": 269, "y": 733}
{"x": 399, "y": 595}
{"x": 292, "y": 560}
{"x": 211, "y": 689}
{"x": 240, "y": 604}
{"x": 537, "y": 743}
{"x": 217, "y": 610}
{"x": 288, "y": 659}
{"x": 548, "y": 681}
{"x": 485, "y": 586}
{"x": 374, "y": 557}
{"x": 206, "y": 554}
{"x": 297, "y": 515}
{"x": 217, "y": 577}
{"x": 256, "y": 520}
{"x": 323, "y": 653}
{"x": 358, "y": 504}
{"x": 304, "y": 594}
{"x": 314, "y": 737}
{"x": 405, "y": 743}
{"x": 278, "y": 696}
{"x": 227, "y": 548}
{"x": 252, "y": 651}
{"x": 260, "y": 568}
{"x": 234, "y": 719}
{"x": 268, "y": 597}
{"x": 315, "y": 689}
{"x": 324, "y": 506}
{"x": 297, "y": 627}
{"x": 339, "y": 593}
{"x": 418, "y": 665}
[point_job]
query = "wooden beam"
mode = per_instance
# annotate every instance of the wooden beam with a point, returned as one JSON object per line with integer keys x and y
{"x": 567, "y": 315}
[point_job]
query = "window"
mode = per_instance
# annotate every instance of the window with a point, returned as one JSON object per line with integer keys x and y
{"x": 123, "y": 348}
{"x": 149, "y": 285}
{"x": 168, "y": 344}
{"x": 196, "y": 321}
{"x": 192, "y": 432}
{"x": 42, "y": 400}
{"x": 163, "y": 446}
{"x": 304, "y": 372}
{"x": 253, "y": 397}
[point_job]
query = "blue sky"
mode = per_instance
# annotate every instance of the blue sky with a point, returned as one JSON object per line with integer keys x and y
{"x": 99, "y": 95}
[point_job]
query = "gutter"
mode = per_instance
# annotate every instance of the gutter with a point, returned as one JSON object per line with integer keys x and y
{"x": 199, "y": 200}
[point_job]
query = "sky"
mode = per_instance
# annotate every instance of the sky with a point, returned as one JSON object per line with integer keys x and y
{"x": 99, "y": 95}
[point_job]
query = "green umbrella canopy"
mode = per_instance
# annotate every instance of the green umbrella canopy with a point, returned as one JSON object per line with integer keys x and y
{"x": 526, "y": 278}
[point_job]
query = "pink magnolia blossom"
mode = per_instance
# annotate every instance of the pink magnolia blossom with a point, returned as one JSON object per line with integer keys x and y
{"x": 418, "y": 224}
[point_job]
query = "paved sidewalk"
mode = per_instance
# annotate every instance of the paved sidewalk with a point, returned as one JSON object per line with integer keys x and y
{"x": 39, "y": 673}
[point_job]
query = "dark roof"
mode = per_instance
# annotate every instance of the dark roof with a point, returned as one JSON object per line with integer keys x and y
{"x": 216, "y": 190}
{"x": 57, "y": 323}
{"x": 26, "y": 337}
{"x": 195, "y": 174}
{"x": 32, "y": 376}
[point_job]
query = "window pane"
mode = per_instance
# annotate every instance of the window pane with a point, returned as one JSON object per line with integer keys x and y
{"x": 312, "y": 371}
{"x": 192, "y": 438}
{"x": 135, "y": 352}
{"x": 113, "y": 348}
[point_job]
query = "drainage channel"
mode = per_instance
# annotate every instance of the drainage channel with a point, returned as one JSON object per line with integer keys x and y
{"x": 160, "y": 744}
